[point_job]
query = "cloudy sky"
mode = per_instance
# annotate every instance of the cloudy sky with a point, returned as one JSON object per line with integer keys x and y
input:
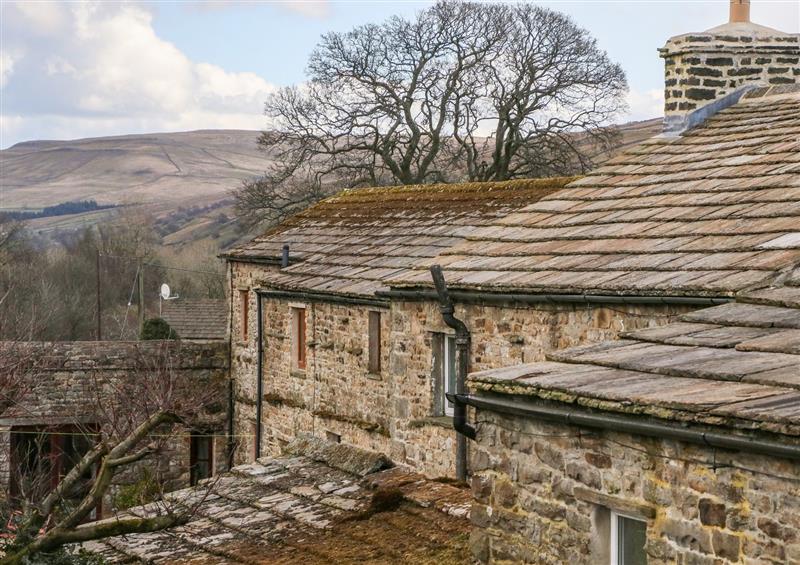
{"x": 75, "y": 69}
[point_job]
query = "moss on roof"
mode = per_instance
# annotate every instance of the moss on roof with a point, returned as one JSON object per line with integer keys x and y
{"x": 424, "y": 199}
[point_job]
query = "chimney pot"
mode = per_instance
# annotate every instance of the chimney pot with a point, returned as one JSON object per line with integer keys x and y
{"x": 740, "y": 11}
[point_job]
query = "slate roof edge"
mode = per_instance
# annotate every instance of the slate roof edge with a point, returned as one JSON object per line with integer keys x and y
{"x": 499, "y": 295}
{"x": 664, "y": 424}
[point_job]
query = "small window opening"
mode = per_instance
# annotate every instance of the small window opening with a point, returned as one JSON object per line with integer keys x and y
{"x": 628, "y": 538}
{"x": 254, "y": 445}
{"x": 333, "y": 437}
{"x": 244, "y": 302}
{"x": 299, "y": 338}
{"x": 201, "y": 457}
{"x": 374, "y": 342}
{"x": 444, "y": 372}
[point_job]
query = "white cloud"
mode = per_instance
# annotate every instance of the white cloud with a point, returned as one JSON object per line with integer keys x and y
{"x": 6, "y": 67}
{"x": 100, "y": 68}
{"x": 309, "y": 8}
{"x": 645, "y": 105}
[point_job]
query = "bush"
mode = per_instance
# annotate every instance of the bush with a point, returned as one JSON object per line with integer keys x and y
{"x": 157, "y": 328}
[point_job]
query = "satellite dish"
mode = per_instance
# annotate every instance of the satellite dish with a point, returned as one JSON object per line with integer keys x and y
{"x": 165, "y": 291}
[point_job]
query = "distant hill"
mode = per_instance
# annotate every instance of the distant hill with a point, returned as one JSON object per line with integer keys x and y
{"x": 196, "y": 166}
{"x": 184, "y": 178}
{"x": 192, "y": 171}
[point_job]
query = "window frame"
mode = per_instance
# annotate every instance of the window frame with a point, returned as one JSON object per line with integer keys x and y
{"x": 374, "y": 342}
{"x": 299, "y": 343}
{"x": 193, "y": 458}
{"x": 614, "y": 534}
{"x": 244, "y": 319}
{"x": 448, "y": 349}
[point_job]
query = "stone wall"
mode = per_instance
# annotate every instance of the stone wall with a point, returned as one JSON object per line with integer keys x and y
{"x": 705, "y": 67}
{"x": 394, "y": 412}
{"x": 68, "y": 388}
{"x": 543, "y": 493}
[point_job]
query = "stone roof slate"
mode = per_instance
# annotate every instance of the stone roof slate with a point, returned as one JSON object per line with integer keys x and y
{"x": 711, "y": 212}
{"x": 315, "y": 505}
{"x": 354, "y": 242}
{"x": 203, "y": 318}
{"x": 735, "y": 365}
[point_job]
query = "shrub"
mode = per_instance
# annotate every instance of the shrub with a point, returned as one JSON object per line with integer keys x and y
{"x": 157, "y": 328}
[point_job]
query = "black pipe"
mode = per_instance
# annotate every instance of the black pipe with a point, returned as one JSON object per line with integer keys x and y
{"x": 285, "y": 256}
{"x": 478, "y": 296}
{"x": 464, "y": 429}
{"x": 259, "y": 373}
{"x": 231, "y": 389}
{"x": 627, "y": 424}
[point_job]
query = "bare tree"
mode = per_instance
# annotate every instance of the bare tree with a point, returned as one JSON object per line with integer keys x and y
{"x": 132, "y": 417}
{"x": 464, "y": 91}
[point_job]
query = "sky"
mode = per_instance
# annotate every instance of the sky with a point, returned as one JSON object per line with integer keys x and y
{"x": 70, "y": 70}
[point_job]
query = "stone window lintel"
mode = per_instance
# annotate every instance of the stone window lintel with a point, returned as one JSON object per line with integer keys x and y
{"x": 620, "y": 505}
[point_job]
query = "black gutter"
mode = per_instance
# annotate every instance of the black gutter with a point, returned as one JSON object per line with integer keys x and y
{"x": 627, "y": 424}
{"x": 237, "y": 259}
{"x": 323, "y": 297}
{"x": 464, "y": 429}
{"x": 487, "y": 297}
{"x": 259, "y": 373}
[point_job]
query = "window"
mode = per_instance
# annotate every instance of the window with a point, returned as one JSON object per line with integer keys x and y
{"x": 201, "y": 457}
{"x": 42, "y": 456}
{"x": 374, "y": 342}
{"x": 333, "y": 437}
{"x": 444, "y": 372}
{"x": 244, "y": 302}
{"x": 628, "y": 537}
{"x": 254, "y": 451}
{"x": 299, "y": 338}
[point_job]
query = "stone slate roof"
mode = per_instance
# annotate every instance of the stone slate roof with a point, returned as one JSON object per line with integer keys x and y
{"x": 321, "y": 503}
{"x": 354, "y": 242}
{"x": 736, "y": 365}
{"x": 203, "y": 318}
{"x": 711, "y": 212}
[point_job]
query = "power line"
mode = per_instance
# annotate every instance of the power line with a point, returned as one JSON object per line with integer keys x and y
{"x": 160, "y": 266}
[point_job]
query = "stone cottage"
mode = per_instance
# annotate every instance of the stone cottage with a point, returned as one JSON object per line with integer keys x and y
{"x": 675, "y": 444}
{"x": 336, "y": 326}
{"x": 322, "y": 343}
{"x": 46, "y": 431}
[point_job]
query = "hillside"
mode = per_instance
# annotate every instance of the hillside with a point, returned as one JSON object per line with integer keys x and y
{"x": 183, "y": 178}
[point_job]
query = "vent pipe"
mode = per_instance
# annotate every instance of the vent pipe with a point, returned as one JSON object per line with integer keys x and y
{"x": 285, "y": 256}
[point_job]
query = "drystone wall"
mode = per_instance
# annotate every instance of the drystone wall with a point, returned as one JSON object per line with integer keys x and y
{"x": 544, "y": 493}
{"x": 397, "y": 411}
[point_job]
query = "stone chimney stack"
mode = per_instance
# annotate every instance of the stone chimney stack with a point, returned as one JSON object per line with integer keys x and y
{"x": 707, "y": 71}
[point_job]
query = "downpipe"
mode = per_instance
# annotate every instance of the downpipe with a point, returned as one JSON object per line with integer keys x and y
{"x": 260, "y": 372}
{"x": 460, "y": 424}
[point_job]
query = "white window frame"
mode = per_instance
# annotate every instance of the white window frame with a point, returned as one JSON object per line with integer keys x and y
{"x": 448, "y": 348}
{"x": 614, "y": 531}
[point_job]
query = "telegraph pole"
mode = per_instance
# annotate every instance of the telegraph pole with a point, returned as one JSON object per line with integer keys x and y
{"x": 99, "y": 308}
{"x": 140, "y": 284}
